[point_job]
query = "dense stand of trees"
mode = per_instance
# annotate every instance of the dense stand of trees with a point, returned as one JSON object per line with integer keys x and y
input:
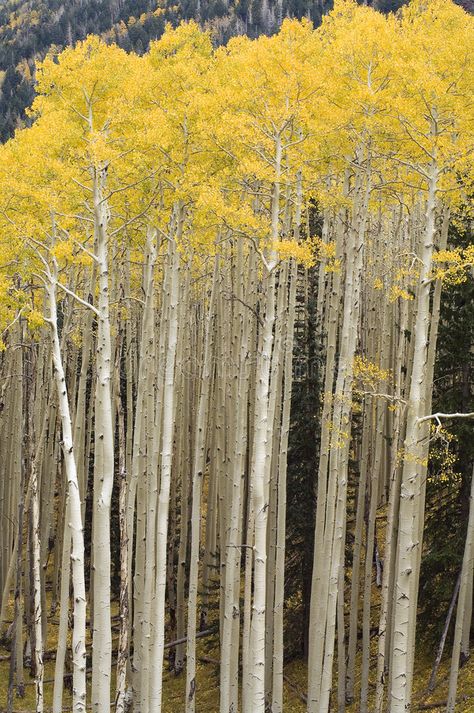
{"x": 225, "y": 276}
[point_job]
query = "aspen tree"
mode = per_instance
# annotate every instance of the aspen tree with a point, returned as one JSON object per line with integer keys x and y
{"x": 80, "y": 430}
{"x": 432, "y": 162}
{"x": 36, "y": 544}
{"x": 104, "y": 457}
{"x": 134, "y": 498}
{"x": 274, "y": 427}
{"x": 278, "y": 644}
{"x": 74, "y": 504}
{"x": 466, "y": 573}
{"x": 153, "y": 407}
{"x": 379, "y": 414}
{"x": 232, "y": 554}
{"x": 158, "y": 611}
{"x": 122, "y": 652}
{"x": 184, "y": 448}
{"x": 391, "y": 527}
{"x": 15, "y": 675}
{"x": 356, "y": 561}
{"x": 199, "y": 459}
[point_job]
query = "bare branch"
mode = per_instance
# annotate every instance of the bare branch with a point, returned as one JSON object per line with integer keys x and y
{"x": 438, "y": 416}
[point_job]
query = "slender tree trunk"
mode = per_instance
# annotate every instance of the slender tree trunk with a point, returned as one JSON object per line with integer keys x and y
{"x": 36, "y": 544}
{"x": 199, "y": 463}
{"x": 385, "y": 629}
{"x": 157, "y": 651}
{"x": 356, "y": 560}
{"x": 439, "y": 652}
{"x": 121, "y": 694}
{"x": 103, "y": 464}
{"x": 16, "y": 657}
{"x": 75, "y": 513}
{"x": 278, "y": 643}
{"x": 411, "y": 499}
{"x": 466, "y": 573}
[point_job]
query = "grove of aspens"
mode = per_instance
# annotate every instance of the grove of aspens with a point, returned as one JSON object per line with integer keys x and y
{"x": 236, "y": 372}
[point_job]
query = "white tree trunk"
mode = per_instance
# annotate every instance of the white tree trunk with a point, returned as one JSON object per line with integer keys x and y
{"x": 410, "y": 502}
{"x": 103, "y": 465}
{"x": 74, "y": 511}
{"x": 158, "y": 613}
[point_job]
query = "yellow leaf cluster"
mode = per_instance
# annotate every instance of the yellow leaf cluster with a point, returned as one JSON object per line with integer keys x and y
{"x": 301, "y": 252}
{"x": 369, "y": 374}
{"x": 35, "y": 319}
{"x": 396, "y": 292}
{"x": 442, "y": 458}
{"x": 453, "y": 266}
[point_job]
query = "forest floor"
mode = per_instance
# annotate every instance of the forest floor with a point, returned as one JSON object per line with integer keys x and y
{"x": 208, "y": 683}
{"x": 295, "y": 672}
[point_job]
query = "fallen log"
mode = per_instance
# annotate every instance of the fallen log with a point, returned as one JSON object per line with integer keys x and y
{"x": 440, "y": 704}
